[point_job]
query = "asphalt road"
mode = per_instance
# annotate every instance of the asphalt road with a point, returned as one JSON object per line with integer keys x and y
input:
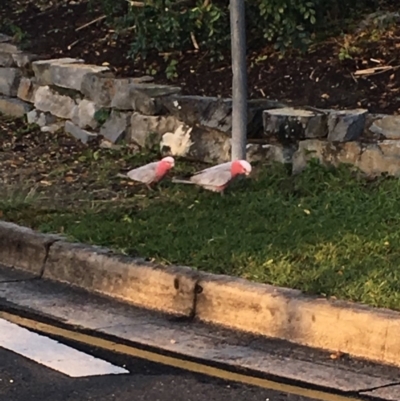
{"x": 24, "y": 380}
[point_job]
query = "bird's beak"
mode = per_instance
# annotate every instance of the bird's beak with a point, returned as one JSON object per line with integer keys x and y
{"x": 247, "y": 173}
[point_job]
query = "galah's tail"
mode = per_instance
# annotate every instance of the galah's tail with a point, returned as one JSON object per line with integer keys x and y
{"x": 180, "y": 181}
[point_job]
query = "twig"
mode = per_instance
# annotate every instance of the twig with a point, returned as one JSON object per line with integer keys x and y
{"x": 91, "y": 23}
{"x": 135, "y": 3}
{"x": 69, "y": 47}
{"x": 168, "y": 54}
{"x": 194, "y": 41}
{"x": 353, "y": 77}
{"x": 220, "y": 69}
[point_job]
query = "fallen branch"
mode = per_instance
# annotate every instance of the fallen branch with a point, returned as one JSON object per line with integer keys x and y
{"x": 91, "y": 23}
{"x": 374, "y": 70}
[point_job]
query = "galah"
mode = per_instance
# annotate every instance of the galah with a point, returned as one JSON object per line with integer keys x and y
{"x": 152, "y": 172}
{"x": 217, "y": 178}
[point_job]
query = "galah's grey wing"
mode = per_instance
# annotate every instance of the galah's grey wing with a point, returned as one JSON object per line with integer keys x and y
{"x": 218, "y": 167}
{"x": 145, "y": 174}
{"x": 212, "y": 178}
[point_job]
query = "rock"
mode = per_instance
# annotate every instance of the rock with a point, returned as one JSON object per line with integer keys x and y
{"x": 27, "y": 89}
{"x": 255, "y": 121}
{"x": 117, "y": 126}
{"x": 373, "y": 159}
{"x": 142, "y": 80}
{"x": 178, "y": 139}
{"x": 210, "y": 145}
{"x": 143, "y": 98}
{"x": 387, "y": 127}
{"x": 9, "y": 81}
{"x": 53, "y": 127}
{"x": 6, "y": 60}
{"x": 5, "y": 38}
{"x": 11, "y": 56}
{"x": 99, "y": 88}
{"x": 83, "y": 114}
{"x": 70, "y": 76}
{"x": 381, "y": 157}
{"x": 127, "y": 98}
{"x": 79, "y": 133}
{"x": 13, "y": 107}
{"x": 48, "y": 100}
{"x": 326, "y": 153}
{"x": 33, "y": 116}
{"x": 41, "y": 68}
{"x": 288, "y": 125}
{"x": 346, "y": 125}
{"x": 146, "y": 131}
{"x": 106, "y": 91}
{"x": 154, "y": 91}
{"x": 199, "y": 143}
{"x": 40, "y": 118}
{"x": 368, "y": 135}
{"x": 213, "y": 112}
{"x": 7, "y": 50}
{"x": 210, "y": 112}
{"x": 104, "y": 144}
{"x": 24, "y": 60}
{"x": 267, "y": 153}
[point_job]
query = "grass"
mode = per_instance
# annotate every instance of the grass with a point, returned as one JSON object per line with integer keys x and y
{"x": 329, "y": 232}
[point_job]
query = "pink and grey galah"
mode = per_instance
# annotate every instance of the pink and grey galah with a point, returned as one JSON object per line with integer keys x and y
{"x": 217, "y": 178}
{"x": 151, "y": 173}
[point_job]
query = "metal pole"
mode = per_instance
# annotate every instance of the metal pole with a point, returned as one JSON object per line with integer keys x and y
{"x": 239, "y": 81}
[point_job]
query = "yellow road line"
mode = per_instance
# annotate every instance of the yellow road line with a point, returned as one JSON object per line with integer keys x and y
{"x": 172, "y": 361}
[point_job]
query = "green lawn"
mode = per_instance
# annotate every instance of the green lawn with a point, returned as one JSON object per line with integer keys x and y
{"x": 327, "y": 232}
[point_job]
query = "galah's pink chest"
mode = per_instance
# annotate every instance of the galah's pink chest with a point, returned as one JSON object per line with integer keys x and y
{"x": 161, "y": 170}
{"x": 236, "y": 169}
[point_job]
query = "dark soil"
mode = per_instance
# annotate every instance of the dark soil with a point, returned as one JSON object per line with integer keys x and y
{"x": 317, "y": 79}
{"x": 60, "y": 170}
{"x": 63, "y": 172}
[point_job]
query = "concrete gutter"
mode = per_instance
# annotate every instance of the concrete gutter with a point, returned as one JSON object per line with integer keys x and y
{"x": 337, "y": 326}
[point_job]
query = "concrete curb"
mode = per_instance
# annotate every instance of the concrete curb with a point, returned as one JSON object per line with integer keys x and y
{"x": 350, "y": 328}
{"x": 171, "y": 290}
{"x": 24, "y": 248}
{"x": 338, "y": 326}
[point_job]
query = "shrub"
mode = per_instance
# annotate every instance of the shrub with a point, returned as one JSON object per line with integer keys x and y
{"x": 166, "y": 25}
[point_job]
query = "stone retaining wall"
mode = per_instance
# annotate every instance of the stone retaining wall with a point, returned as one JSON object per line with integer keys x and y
{"x": 88, "y": 101}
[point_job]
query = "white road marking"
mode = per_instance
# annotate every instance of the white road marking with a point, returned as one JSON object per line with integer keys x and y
{"x": 53, "y": 354}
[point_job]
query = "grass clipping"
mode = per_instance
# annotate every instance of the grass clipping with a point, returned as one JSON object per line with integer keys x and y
{"x": 326, "y": 231}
